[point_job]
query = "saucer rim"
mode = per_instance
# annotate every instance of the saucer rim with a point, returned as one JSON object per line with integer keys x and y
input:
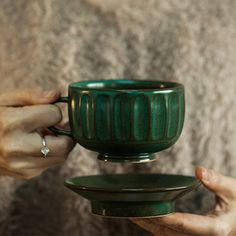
{"x": 195, "y": 183}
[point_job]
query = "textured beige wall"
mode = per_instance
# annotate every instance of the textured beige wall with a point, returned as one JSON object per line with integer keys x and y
{"x": 50, "y": 43}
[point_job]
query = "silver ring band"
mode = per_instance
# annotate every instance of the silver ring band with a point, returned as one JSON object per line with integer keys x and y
{"x": 45, "y": 150}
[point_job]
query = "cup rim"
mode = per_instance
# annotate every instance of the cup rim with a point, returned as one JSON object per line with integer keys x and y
{"x": 147, "y": 84}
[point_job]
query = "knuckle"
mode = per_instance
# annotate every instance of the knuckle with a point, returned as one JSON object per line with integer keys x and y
{"x": 55, "y": 113}
{"x": 5, "y": 159}
{"x": 8, "y": 152}
{"x": 7, "y": 121}
{"x": 9, "y": 148}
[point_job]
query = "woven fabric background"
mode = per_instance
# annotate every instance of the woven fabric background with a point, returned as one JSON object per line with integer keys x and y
{"x": 51, "y": 43}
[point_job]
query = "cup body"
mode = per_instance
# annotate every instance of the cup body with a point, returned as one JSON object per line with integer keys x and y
{"x": 126, "y": 120}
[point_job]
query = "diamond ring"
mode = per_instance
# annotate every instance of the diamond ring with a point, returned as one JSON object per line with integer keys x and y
{"x": 45, "y": 150}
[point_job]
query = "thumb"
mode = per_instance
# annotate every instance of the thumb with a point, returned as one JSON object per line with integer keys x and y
{"x": 28, "y": 97}
{"x": 221, "y": 185}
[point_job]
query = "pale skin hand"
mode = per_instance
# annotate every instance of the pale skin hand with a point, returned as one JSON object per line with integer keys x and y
{"x": 219, "y": 222}
{"x": 21, "y": 114}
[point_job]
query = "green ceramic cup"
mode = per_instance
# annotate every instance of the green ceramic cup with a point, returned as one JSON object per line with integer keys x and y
{"x": 125, "y": 120}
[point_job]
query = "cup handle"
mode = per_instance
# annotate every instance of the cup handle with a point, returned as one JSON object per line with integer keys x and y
{"x": 57, "y": 130}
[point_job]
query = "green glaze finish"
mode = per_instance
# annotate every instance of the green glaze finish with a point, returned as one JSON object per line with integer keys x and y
{"x": 132, "y": 209}
{"x": 126, "y": 120}
{"x": 137, "y": 158}
{"x": 132, "y": 195}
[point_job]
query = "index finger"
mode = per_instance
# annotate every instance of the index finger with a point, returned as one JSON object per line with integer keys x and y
{"x": 28, "y": 97}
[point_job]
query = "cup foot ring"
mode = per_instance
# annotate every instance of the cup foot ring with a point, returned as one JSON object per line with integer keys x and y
{"x": 137, "y": 158}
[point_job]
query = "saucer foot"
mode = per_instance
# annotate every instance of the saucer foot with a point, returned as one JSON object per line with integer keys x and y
{"x": 132, "y": 209}
{"x": 139, "y": 158}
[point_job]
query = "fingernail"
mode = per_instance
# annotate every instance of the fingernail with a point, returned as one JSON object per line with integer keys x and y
{"x": 50, "y": 93}
{"x": 205, "y": 175}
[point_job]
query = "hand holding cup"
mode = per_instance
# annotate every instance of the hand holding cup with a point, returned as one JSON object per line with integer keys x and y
{"x": 22, "y": 113}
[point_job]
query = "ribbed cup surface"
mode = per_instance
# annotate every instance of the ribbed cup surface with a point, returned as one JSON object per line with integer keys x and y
{"x": 137, "y": 121}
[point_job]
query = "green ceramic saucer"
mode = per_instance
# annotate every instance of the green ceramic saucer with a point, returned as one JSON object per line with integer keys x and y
{"x": 132, "y": 195}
